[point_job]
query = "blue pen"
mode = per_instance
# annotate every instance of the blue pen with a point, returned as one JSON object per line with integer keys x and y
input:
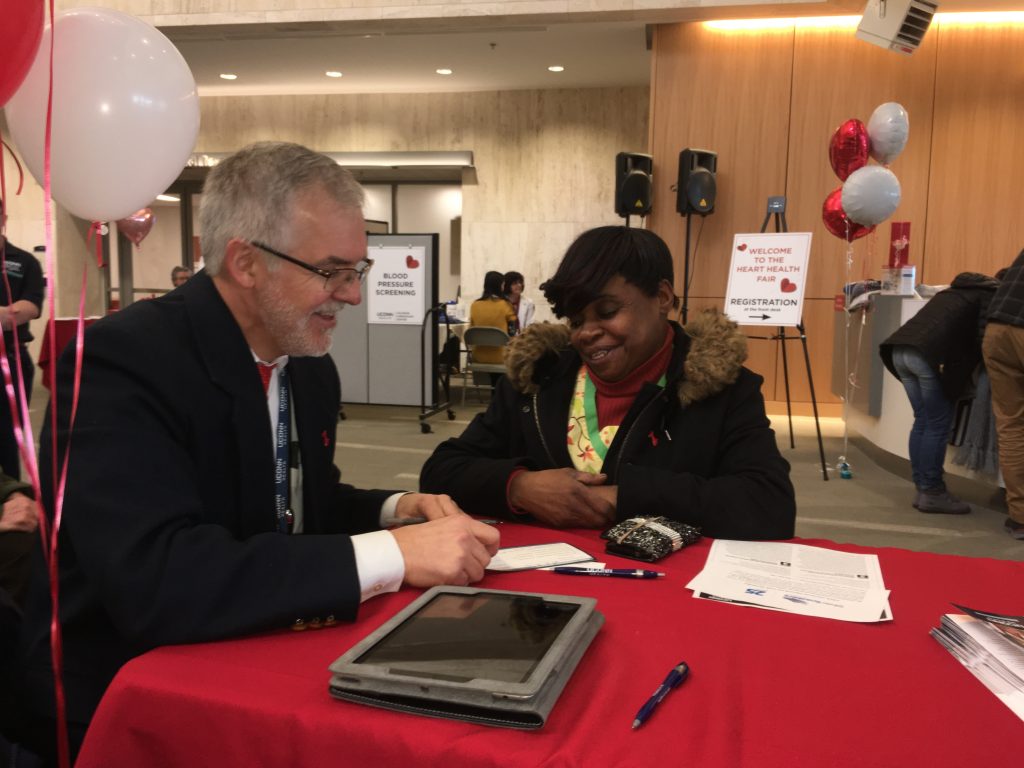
{"x": 625, "y": 573}
{"x": 675, "y": 677}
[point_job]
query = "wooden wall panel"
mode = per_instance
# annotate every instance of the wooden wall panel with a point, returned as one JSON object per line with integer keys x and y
{"x": 837, "y": 77}
{"x": 974, "y": 200}
{"x": 728, "y": 93}
{"x": 819, "y": 317}
{"x": 964, "y": 91}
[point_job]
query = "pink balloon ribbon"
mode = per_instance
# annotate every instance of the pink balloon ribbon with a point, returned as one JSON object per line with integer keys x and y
{"x": 17, "y": 163}
{"x": 96, "y": 233}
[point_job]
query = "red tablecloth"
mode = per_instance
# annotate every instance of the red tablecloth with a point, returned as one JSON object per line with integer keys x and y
{"x": 766, "y": 689}
{"x": 64, "y": 331}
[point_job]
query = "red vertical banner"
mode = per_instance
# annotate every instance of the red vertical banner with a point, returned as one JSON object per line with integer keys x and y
{"x": 899, "y": 244}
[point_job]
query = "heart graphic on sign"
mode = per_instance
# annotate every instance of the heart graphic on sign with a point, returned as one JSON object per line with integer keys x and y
{"x": 787, "y": 286}
{"x": 411, "y": 262}
{"x": 741, "y": 247}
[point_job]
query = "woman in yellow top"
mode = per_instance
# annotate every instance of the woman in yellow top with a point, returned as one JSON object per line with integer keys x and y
{"x": 494, "y": 311}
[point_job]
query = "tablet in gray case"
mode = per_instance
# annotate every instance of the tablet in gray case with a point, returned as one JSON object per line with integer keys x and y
{"x": 481, "y": 655}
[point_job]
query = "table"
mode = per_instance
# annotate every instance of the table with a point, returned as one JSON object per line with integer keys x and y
{"x": 766, "y": 688}
{"x": 65, "y": 329}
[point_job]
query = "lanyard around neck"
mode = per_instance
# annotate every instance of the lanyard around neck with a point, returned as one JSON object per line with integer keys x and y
{"x": 590, "y": 411}
{"x": 285, "y": 516}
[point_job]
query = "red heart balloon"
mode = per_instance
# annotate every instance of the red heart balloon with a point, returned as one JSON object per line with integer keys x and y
{"x": 836, "y": 221}
{"x": 137, "y": 226}
{"x": 848, "y": 148}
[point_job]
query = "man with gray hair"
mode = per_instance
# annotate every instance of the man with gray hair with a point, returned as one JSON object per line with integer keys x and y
{"x": 202, "y": 498}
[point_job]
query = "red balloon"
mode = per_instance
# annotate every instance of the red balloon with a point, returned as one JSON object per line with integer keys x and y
{"x": 20, "y": 33}
{"x": 848, "y": 149}
{"x": 836, "y": 220}
{"x": 137, "y": 226}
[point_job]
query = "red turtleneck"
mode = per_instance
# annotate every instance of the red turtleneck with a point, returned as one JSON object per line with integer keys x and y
{"x": 615, "y": 398}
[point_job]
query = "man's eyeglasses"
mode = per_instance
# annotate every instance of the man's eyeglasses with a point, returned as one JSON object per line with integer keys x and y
{"x": 333, "y": 278}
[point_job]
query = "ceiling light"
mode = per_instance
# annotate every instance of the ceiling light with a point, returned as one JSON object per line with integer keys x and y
{"x": 168, "y": 198}
{"x": 443, "y": 71}
{"x": 228, "y": 76}
{"x": 332, "y": 73}
{"x": 556, "y": 68}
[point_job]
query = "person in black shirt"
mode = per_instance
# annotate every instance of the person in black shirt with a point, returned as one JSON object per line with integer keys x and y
{"x": 24, "y": 277}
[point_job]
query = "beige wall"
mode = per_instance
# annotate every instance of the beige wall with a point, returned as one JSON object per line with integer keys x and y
{"x": 768, "y": 102}
{"x": 544, "y": 159}
{"x": 544, "y": 166}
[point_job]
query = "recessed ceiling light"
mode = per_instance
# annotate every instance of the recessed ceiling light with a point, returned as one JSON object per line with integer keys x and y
{"x": 556, "y": 68}
{"x": 333, "y": 73}
{"x": 443, "y": 71}
{"x": 228, "y": 76}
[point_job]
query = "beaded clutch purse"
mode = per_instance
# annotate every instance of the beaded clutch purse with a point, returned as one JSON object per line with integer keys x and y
{"x": 648, "y": 538}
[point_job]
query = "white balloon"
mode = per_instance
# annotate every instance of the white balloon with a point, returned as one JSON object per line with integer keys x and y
{"x": 125, "y": 113}
{"x": 870, "y": 195}
{"x": 888, "y": 130}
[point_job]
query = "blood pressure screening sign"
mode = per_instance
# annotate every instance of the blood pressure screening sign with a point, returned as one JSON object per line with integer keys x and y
{"x": 767, "y": 276}
{"x": 395, "y": 286}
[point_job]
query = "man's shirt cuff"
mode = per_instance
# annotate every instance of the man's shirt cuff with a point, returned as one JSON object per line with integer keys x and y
{"x": 379, "y": 563}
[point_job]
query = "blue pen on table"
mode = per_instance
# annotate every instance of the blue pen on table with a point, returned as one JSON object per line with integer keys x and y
{"x": 625, "y": 573}
{"x": 675, "y": 677}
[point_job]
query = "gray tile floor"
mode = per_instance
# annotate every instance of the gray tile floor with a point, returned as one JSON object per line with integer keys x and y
{"x": 382, "y": 446}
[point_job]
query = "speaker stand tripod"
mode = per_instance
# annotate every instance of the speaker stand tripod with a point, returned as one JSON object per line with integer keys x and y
{"x": 686, "y": 272}
{"x": 777, "y": 207}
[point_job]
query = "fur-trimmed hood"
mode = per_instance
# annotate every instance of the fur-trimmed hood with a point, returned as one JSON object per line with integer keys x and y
{"x": 716, "y": 353}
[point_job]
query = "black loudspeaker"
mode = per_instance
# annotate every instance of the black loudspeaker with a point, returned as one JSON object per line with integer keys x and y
{"x": 633, "y": 184}
{"x": 695, "y": 191}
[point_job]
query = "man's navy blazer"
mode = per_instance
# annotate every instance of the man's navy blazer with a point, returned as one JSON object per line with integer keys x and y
{"x": 168, "y": 530}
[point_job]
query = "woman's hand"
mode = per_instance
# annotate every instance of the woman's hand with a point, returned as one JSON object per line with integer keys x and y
{"x": 564, "y": 498}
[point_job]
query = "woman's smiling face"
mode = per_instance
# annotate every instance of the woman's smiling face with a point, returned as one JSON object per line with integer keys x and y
{"x": 621, "y": 329}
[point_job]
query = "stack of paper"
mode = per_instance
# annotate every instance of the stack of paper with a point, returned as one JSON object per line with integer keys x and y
{"x": 796, "y": 578}
{"x": 991, "y": 646}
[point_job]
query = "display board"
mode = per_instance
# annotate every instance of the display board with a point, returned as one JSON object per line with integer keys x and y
{"x": 377, "y": 345}
{"x": 767, "y": 277}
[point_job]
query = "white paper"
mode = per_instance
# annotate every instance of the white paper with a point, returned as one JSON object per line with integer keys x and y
{"x": 537, "y": 556}
{"x": 795, "y": 578}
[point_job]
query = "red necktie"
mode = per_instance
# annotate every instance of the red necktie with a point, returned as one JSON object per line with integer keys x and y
{"x": 266, "y": 371}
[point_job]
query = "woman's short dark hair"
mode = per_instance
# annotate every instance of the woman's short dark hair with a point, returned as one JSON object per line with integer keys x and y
{"x": 492, "y": 285}
{"x": 511, "y": 278}
{"x": 598, "y": 255}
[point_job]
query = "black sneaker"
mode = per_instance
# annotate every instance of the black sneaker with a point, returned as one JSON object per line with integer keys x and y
{"x": 1014, "y": 528}
{"x": 941, "y": 503}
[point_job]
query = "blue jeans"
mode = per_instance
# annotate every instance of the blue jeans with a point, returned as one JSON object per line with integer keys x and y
{"x": 933, "y": 417}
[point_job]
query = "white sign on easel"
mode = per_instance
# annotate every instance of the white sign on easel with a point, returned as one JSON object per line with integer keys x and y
{"x": 395, "y": 287}
{"x": 767, "y": 276}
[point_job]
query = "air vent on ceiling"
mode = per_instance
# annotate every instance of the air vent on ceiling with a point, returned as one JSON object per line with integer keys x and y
{"x": 898, "y": 25}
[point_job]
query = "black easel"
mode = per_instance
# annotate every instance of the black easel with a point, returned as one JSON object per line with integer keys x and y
{"x": 777, "y": 207}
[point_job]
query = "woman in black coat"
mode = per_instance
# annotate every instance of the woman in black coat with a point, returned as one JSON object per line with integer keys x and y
{"x": 623, "y": 412}
{"x": 934, "y": 355}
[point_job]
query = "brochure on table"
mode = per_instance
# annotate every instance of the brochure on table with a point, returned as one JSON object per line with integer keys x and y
{"x": 991, "y": 647}
{"x": 795, "y": 578}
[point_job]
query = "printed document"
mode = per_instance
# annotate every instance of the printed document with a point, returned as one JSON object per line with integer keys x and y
{"x": 537, "y": 556}
{"x": 796, "y": 578}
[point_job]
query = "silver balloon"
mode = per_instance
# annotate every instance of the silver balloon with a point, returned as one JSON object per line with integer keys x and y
{"x": 870, "y": 195}
{"x": 888, "y": 130}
